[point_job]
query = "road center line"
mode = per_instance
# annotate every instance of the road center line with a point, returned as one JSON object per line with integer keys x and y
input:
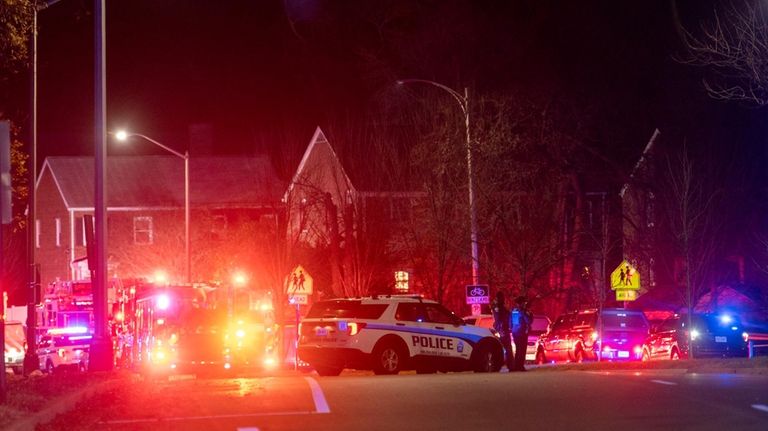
{"x": 761, "y": 407}
{"x": 321, "y": 406}
{"x": 664, "y": 382}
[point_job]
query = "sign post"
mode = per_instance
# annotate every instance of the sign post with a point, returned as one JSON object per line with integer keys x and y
{"x": 298, "y": 286}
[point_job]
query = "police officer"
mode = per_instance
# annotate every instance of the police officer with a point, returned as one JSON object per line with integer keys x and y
{"x": 501, "y": 325}
{"x": 520, "y": 323}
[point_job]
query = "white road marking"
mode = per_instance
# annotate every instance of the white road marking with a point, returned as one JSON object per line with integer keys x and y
{"x": 761, "y": 407}
{"x": 321, "y": 406}
{"x": 664, "y": 382}
{"x": 248, "y": 429}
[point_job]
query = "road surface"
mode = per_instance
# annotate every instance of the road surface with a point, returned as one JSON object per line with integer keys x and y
{"x": 619, "y": 400}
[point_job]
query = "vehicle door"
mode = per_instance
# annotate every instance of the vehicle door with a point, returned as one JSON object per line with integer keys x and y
{"x": 664, "y": 339}
{"x": 447, "y": 339}
{"x": 411, "y": 323}
{"x": 555, "y": 341}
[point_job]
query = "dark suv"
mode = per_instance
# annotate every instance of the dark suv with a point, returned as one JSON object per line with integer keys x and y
{"x": 576, "y": 336}
{"x": 711, "y": 335}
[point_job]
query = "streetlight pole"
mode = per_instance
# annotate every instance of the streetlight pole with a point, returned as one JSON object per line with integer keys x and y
{"x": 464, "y": 104}
{"x": 122, "y": 136}
{"x": 31, "y": 361}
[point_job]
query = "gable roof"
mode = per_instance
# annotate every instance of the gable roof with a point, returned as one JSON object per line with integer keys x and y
{"x": 317, "y": 153}
{"x": 158, "y": 181}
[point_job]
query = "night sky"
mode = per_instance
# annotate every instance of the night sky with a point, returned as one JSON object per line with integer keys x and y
{"x": 268, "y": 72}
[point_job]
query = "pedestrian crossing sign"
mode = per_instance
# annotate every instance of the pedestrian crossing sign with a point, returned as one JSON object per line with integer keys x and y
{"x": 299, "y": 282}
{"x": 625, "y": 277}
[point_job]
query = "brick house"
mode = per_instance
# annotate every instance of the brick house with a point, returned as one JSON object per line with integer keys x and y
{"x": 145, "y": 213}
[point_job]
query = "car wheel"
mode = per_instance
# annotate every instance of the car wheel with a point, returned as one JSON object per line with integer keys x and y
{"x": 675, "y": 355}
{"x": 487, "y": 359}
{"x": 578, "y": 355}
{"x": 388, "y": 358}
{"x": 327, "y": 370}
{"x": 646, "y": 355}
{"x": 540, "y": 357}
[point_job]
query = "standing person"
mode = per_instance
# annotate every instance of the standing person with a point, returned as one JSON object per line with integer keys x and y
{"x": 501, "y": 325}
{"x": 520, "y": 323}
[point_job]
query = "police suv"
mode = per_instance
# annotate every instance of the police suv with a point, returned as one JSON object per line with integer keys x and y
{"x": 64, "y": 348}
{"x": 391, "y": 333}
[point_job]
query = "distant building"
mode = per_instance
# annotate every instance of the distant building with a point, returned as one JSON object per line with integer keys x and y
{"x": 145, "y": 212}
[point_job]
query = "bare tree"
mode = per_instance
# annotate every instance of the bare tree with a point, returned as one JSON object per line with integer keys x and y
{"x": 733, "y": 44}
{"x": 690, "y": 204}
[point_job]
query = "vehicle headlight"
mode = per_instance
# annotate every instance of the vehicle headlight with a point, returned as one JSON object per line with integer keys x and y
{"x": 694, "y": 334}
{"x": 745, "y": 336}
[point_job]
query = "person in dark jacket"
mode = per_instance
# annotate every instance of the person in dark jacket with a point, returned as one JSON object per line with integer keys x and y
{"x": 501, "y": 325}
{"x": 520, "y": 321}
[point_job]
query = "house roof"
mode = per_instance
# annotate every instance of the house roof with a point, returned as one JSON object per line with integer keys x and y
{"x": 158, "y": 181}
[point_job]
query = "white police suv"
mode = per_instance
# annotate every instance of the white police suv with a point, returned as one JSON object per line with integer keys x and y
{"x": 64, "y": 348}
{"x": 387, "y": 334}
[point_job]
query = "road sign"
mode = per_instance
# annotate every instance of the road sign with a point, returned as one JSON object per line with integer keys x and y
{"x": 476, "y": 309}
{"x": 478, "y": 294}
{"x": 298, "y": 299}
{"x": 626, "y": 294}
{"x": 625, "y": 277}
{"x": 299, "y": 282}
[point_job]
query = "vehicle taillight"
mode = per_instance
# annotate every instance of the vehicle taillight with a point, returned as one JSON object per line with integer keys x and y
{"x": 62, "y": 353}
{"x": 595, "y": 336}
{"x": 354, "y": 328}
{"x": 638, "y": 350}
{"x": 351, "y": 328}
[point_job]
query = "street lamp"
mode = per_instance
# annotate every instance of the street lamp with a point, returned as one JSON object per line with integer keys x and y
{"x": 122, "y": 135}
{"x": 464, "y": 104}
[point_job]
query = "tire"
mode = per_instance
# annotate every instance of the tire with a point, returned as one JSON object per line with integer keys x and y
{"x": 328, "y": 371}
{"x": 487, "y": 359}
{"x": 388, "y": 358}
{"x": 541, "y": 359}
{"x": 675, "y": 355}
{"x": 578, "y": 355}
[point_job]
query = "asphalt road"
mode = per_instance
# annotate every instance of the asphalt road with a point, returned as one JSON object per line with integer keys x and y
{"x": 574, "y": 400}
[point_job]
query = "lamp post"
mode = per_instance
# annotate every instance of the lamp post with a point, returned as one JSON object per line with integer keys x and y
{"x": 464, "y": 104}
{"x": 122, "y": 136}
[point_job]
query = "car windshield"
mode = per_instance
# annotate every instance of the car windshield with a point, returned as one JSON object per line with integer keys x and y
{"x": 714, "y": 323}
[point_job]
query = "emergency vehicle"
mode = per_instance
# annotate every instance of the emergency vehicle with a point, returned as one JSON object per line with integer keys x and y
{"x": 391, "y": 333}
{"x": 64, "y": 348}
{"x": 199, "y": 327}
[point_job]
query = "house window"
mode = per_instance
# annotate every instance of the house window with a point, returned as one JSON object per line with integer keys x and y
{"x": 37, "y": 233}
{"x": 219, "y": 227}
{"x": 58, "y": 232}
{"x": 401, "y": 281}
{"x": 80, "y": 231}
{"x": 142, "y": 230}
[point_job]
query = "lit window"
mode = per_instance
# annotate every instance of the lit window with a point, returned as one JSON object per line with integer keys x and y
{"x": 401, "y": 281}
{"x": 142, "y": 230}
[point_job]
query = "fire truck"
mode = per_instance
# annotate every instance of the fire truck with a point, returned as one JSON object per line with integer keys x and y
{"x": 199, "y": 327}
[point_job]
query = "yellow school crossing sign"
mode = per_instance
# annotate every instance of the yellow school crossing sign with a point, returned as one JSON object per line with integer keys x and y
{"x": 625, "y": 280}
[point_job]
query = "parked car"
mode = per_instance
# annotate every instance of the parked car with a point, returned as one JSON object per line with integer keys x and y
{"x": 539, "y": 327}
{"x": 578, "y": 336}
{"x": 711, "y": 335}
{"x": 15, "y": 346}
{"x": 391, "y": 333}
{"x": 64, "y": 349}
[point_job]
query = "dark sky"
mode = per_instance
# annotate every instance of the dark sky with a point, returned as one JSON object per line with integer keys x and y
{"x": 255, "y": 70}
